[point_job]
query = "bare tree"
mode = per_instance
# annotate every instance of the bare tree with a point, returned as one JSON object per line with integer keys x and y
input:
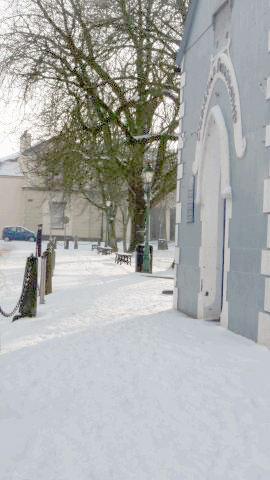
{"x": 114, "y": 58}
{"x": 78, "y": 165}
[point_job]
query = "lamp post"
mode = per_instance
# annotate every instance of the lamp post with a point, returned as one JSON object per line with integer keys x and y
{"x": 147, "y": 174}
{"x": 109, "y": 221}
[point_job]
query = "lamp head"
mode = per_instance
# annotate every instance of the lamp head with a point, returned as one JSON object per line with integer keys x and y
{"x": 148, "y": 174}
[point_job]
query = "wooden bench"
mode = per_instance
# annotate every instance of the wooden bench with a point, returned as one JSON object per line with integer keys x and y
{"x": 123, "y": 258}
{"x": 104, "y": 250}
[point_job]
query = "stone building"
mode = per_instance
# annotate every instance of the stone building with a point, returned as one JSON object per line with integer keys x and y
{"x": 25, "y": 202}
{"x": 223, "y": 182}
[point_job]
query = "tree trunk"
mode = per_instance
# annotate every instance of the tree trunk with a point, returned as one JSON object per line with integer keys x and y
{"x": 113, "y": 239}
{"x": 125, "y": 238}
{"x": 137, "y": 221}
{"x": 125, "y": 220}
{"x": 136, "y": 197}
{"x": 101, "y": 228}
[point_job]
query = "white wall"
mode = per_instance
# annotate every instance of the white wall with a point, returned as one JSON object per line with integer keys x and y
{"x": 11, "y": 201}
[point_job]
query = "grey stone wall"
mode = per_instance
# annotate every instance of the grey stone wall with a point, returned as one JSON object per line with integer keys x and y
{"x": 247, "y": 232}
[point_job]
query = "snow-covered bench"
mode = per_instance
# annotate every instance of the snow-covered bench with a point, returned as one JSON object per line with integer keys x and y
{"x": 123, "y": 258}
{"x": 105, "y": 250}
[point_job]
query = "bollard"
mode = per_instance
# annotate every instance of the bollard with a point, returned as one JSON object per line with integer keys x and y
{"x": 53, "y": 261}
{"x": 162, "y": 244}
{"x": 39, "y": 240}
{"x": 48, "y": 276}
{"x": 66, "y": 244}
{"x": 76, "y": 242}
{"x": 28, "y": 303}
{"x": 42, "y": 278}
{"x": 51, "y": 249}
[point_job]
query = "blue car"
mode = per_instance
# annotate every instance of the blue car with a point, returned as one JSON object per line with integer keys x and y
{"x": 18, "y": 233}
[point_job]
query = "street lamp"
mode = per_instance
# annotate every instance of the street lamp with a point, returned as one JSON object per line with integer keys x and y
{"x": 147, "y": 174}
{"x": 109, "y": 221}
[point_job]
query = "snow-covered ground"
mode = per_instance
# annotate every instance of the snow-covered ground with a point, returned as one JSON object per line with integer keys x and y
{"x": 110, "y": 383}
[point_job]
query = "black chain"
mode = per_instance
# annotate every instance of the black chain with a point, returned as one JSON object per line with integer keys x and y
{"x": 61, "y": 244}
{"x": 5, "y": 314}
{"x": 24, "y": 288}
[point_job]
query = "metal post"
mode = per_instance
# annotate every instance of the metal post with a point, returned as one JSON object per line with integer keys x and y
{"x": 39, "y": 240}
{"x": 48, "y": 276}
{"x": 53, "y": 259}
{"x": 76, "y": 242}
{"x": 107, "y": 228}
{"x": 28, "y": 305}
{"x": 42, "y": 278}
{"x": 146, "y": 256}
{"x": 65, "y": 226}
{"x": 147, "y": 174}
{"x": 109, "y": 225}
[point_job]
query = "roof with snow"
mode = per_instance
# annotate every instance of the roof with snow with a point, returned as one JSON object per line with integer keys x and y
{"x": 38, "y": 147}
{"x": 9, "y": 166}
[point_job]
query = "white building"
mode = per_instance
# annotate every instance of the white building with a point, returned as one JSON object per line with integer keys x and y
{"x": 24, "y": 201}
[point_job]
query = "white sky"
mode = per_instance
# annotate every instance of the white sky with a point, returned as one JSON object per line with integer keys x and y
{"x": 8, "y": 116}
{"x": 11, "y": 128}
{"x": 12, "y": 122}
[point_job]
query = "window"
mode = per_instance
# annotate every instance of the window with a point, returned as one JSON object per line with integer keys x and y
{"x": 57, "y": 212}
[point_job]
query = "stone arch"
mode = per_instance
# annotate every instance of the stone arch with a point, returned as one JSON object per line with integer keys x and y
{"x": 215, "y": 196}
{"x": 221, "y": 69}
{"x": 216, "y": 115}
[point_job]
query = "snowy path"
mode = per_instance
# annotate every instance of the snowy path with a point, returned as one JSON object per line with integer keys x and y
{"x": 109, "y": 383}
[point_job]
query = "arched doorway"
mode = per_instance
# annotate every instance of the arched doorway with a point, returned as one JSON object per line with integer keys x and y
{"x": 214, "y": 196}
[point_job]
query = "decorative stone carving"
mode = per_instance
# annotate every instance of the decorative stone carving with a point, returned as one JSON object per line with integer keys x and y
{"x": 222, "y": 69}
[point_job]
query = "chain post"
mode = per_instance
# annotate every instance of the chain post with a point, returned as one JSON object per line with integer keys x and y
{"x": 42, "y": 278}
{"x": 48, "y": 276}
{"x": 52, "y": 250}
{"x": 28, "y": 300}
{"x": 27, "y": 303}
{"x": 53, "y": 261}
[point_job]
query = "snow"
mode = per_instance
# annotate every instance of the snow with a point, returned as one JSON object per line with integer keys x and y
{"x": 108, "y": 382}
{"x": 10, "y": 167}
{"x": 11, "y": 156}
{"x": 145, "y": 136}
